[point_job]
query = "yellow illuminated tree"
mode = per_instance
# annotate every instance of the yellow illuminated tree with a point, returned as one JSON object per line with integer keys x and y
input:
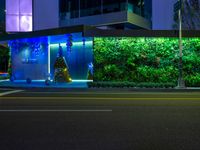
{"x": 61, "y": 70}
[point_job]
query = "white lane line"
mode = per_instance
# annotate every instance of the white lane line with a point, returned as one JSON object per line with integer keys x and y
{"x": 43, "y": 110}
{"x": 10, "y": 92}
{"x": 115, "y": 93}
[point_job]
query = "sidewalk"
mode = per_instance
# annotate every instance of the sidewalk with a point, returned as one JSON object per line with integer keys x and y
{"x": 82, "y": 86}
{"x": 41, "y": 84}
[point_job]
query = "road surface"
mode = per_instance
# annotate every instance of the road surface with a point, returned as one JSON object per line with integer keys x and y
{"x": 99, "y": 120}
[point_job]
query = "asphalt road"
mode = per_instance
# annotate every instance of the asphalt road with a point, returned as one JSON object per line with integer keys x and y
{"x": 99, "y": 120}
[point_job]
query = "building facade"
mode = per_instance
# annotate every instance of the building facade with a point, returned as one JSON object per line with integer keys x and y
{"x": 164, "y": 17}
{"x": 71, "y": 54}
{"x": 71, "y": 50}
{"x": 121, "y": 14}
{"x": 31, "y": 15}
{"x": 162, "y": 14}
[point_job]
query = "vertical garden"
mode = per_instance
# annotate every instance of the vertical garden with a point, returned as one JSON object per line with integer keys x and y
{"x": 146, "y": 60}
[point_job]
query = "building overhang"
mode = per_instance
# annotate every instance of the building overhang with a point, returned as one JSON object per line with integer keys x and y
{"x": 142, "y": 33}
{"x": 139, "y": 21}
{"x": 88, "y": 31}
{"x": 49, "y": 32}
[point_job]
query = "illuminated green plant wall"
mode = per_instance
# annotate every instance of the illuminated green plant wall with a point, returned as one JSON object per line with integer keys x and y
{"x": 146, "y": 60}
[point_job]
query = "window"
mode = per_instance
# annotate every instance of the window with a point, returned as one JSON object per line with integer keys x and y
{"x": 18, "y": 15}
{"x": 69, "y": 9}
{"x": 114, "y": 6}
{"x": 90, "y": 7}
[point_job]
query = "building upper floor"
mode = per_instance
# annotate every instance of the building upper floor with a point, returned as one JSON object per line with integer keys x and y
{"x": 81, "y": 8}
{"x": 31, "y": 15}
{"x": 121, "y": 14}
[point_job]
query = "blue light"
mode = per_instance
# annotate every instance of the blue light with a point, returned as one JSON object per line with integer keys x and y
{"x": 69, "y": 43}
{"x": 29, "y": 58}
{"x": 34, "y": 58}
{"x": 84, "y": 41}
{"x": 78, "y": 54}
{"x": 90, "y": 68}
{"x": 60, "y": 51}
{"x": 26, "y": 54}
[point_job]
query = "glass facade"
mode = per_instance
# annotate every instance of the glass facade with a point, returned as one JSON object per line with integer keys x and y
{"x": 141, "y": 7}
{"x": 18, "y": 15}
{"x": 81, "y": 8}
{"x": 40, "y": 54}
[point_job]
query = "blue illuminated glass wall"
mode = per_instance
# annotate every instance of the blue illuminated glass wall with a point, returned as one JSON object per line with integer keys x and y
{"x": 29, "y": 58}
{"x": 78, "y": 56}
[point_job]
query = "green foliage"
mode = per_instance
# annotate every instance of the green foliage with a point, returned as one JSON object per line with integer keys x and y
{"x": 193, "y": 80}
{"x": 145, "y": 60}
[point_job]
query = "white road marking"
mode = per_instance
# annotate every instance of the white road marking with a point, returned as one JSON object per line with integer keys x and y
{"x": 10, "y": 92}
{"x": 114, "y": 93}
{"x": 43, "y": 110}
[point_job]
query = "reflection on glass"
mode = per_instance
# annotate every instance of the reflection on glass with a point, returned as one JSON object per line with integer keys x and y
{"x": 18, "y": 15}
{"x": 81, "y": 8}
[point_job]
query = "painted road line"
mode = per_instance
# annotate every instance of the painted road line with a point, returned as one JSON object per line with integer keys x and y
{"x": 113, "y": 93}
{"x": 10, "y": 92}
{"x": 101, "y": 98}
{"x": 46, "y": 110}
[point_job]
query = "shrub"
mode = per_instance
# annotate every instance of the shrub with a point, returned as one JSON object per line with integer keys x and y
{"x": 129, "y": 85}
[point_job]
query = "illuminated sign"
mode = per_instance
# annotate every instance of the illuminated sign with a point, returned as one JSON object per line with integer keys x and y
{"x": 29, "y": 61}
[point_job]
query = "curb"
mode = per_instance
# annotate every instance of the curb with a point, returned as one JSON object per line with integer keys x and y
{"x": 190, "y": 89}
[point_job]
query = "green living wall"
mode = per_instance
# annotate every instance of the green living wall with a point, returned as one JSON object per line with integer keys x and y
{"x": 152, "y": 60}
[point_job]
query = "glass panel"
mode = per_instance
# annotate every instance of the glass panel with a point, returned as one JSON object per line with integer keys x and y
{"x": 113, "y": 5}
{"x": 90, "y": 7}
{"x": 12, "y": 23}
{"x": 69, "y": 9}
{"x": 26, "y": 7}
{"x": 29, "y": 53}
{"x": 148, "y": 9}
{"x": 135, "y": 6}
{"x": 78, "y": 56}
{"x": 141, "y": 7}
{"x": 12, "y": 6}
{"x": 25, "y": 23}
{"x": 18, "y": 15}
{"x": 74, "y": 8}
